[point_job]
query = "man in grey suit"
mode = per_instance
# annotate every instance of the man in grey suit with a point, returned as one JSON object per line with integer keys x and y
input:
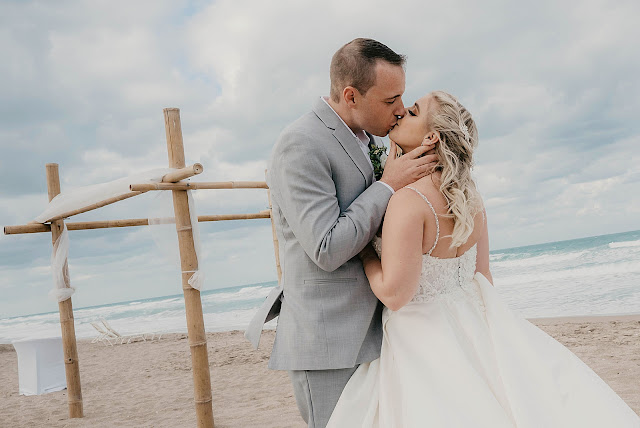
{"x": 327, "y": 206}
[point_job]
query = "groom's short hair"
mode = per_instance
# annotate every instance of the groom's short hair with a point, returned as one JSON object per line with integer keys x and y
{"x": 354, "y": 64}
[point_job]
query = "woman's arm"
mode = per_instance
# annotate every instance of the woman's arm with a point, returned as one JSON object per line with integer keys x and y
{"x": 482, "y": 258}
{"x": 394, "y": 280}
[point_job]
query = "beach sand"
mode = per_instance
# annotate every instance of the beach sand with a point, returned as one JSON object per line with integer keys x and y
{"x": 149, "y": 384}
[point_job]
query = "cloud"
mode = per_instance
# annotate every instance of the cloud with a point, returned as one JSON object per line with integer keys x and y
{"x": 552, "y": 87}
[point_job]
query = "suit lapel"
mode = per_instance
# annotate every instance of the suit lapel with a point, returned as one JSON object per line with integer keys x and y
{"x": 345, "y": 138}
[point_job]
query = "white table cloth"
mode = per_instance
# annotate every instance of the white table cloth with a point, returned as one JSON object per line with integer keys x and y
{"x": 40, "y": 365}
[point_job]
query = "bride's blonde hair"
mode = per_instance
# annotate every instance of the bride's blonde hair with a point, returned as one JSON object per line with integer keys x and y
{"x": 458, "y": 139}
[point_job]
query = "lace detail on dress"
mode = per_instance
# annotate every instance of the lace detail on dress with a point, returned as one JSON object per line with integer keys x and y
{"x": 449, "y": 279}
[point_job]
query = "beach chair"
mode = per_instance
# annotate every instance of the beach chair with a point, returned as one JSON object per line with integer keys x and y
{"x": 103, "y": 336}
{"x": 153, "y": 335}
{"x": 120, "y": 337}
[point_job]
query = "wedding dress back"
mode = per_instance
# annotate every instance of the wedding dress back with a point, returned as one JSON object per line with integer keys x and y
{"x": 441, "y": 277}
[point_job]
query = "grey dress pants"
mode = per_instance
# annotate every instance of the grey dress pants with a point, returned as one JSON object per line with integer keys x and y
{"x": 317, "y": 393}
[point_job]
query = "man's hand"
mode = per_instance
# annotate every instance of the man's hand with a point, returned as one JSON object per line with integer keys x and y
{"x": 410, "y": 167}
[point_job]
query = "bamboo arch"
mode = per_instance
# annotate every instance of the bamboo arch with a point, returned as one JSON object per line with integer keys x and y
{"x": 188, "y": 260}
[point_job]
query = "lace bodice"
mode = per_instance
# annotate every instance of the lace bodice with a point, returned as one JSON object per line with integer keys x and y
{"x": 442, "y": 278}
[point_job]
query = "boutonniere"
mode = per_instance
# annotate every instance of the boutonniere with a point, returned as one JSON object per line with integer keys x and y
{"x": 378, "y": 156}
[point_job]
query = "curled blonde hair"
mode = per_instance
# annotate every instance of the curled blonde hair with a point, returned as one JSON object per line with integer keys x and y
{"x": 455, "y": 154}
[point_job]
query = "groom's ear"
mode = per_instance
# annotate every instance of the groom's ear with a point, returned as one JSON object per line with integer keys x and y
{"x": 349, "y": 95}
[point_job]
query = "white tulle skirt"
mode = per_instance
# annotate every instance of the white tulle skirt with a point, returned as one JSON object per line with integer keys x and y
{"x": 472, "y": 362}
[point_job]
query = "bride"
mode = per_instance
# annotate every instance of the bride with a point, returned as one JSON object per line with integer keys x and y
{"x": 453, "y": 354}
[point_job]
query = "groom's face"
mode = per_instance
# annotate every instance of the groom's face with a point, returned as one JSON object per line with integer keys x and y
{"x": 377, "y": 111}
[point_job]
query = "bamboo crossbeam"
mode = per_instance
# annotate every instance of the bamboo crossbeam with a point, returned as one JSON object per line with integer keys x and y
{"x": 67, "y": 327}
{"x": 106, "y": 224}
{"x": 95, "y": 206}
{"x": 28, "y": 228}
{"x": 145, "y": 187}
{"x": 183, "y": 173}
{"x": 171, "y": 177}
{"x": 224, "y": 217}
{"x": 189, "y": 262}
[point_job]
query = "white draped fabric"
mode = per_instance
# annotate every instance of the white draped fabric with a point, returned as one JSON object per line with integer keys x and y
{"x": 88, "y": 195}
{"x": 62, "y": 289}
{"x": 84, "y": 196}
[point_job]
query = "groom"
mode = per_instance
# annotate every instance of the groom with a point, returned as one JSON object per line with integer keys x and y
{"x": 327, "y": 206}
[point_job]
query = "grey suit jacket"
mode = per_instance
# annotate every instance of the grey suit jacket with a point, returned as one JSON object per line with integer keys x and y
{"x": 325, "y": 210}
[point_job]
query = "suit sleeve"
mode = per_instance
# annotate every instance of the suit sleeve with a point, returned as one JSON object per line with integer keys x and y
{"x": 302, "y": 177}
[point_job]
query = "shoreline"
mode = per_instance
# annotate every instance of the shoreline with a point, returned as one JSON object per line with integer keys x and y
{"x": 571, "y": 319}
{"x": 585, "y": 318}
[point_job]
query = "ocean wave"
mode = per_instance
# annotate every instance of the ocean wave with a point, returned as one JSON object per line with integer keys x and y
{"x": 624, "y": 244}
{"x": 544, "y": 259}
{"x": 575, "y": 274}
{"x": 250, "y": 290}
{"x": 244, "y": 294}
{"x": 120, "y": 310}
{"x": 586, "y": 296}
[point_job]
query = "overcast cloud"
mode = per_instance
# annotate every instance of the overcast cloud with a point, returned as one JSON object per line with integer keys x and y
{"x": 553, "y": 87}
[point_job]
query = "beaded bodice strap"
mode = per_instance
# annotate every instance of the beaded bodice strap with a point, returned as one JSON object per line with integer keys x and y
{"x": 434, "y": 213}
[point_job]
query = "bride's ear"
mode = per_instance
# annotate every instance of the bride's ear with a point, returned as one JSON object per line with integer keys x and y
{"x": 432, "y": 137}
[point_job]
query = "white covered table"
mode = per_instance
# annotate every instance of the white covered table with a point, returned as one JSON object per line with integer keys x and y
{"x": 40, "y": 365}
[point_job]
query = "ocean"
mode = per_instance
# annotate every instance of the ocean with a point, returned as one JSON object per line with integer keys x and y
{"x": 598, "y": 275}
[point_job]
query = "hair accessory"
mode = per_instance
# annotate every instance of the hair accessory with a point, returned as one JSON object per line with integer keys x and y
{"x": 465, "y": 130}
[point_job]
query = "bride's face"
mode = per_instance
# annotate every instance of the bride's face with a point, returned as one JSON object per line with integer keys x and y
{"x": 412, "y": 128}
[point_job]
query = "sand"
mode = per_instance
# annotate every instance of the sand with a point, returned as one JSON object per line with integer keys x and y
{"x": 149, "y": 384}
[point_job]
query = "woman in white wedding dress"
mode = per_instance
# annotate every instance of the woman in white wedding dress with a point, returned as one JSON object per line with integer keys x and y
{"x": 453, "y": 354}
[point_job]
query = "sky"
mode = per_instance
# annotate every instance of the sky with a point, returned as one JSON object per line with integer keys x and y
{"x": 553, "y": 88}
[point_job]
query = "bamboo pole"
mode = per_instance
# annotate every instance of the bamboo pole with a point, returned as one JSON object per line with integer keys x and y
{"x": 145, "y": 187}
{"x": 94, "y": 206}
{"x": 189, "y": 263}
{"x": 105, "y": 224}
{"x": 276, "y": 246}
{"x": 183, "y": 173}
{"x": 224, "y": 217}
{"x": 171, "y": 177}
{"x": 28, "y": 228}
{"x": 70, "y": 350}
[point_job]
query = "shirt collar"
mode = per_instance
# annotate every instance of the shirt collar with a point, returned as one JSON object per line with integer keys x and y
{"x": 361, "y": 136}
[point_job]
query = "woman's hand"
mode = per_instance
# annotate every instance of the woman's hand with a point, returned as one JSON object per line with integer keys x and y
{"x": 368, "y": 254}
{"x": 409, "y": 168}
